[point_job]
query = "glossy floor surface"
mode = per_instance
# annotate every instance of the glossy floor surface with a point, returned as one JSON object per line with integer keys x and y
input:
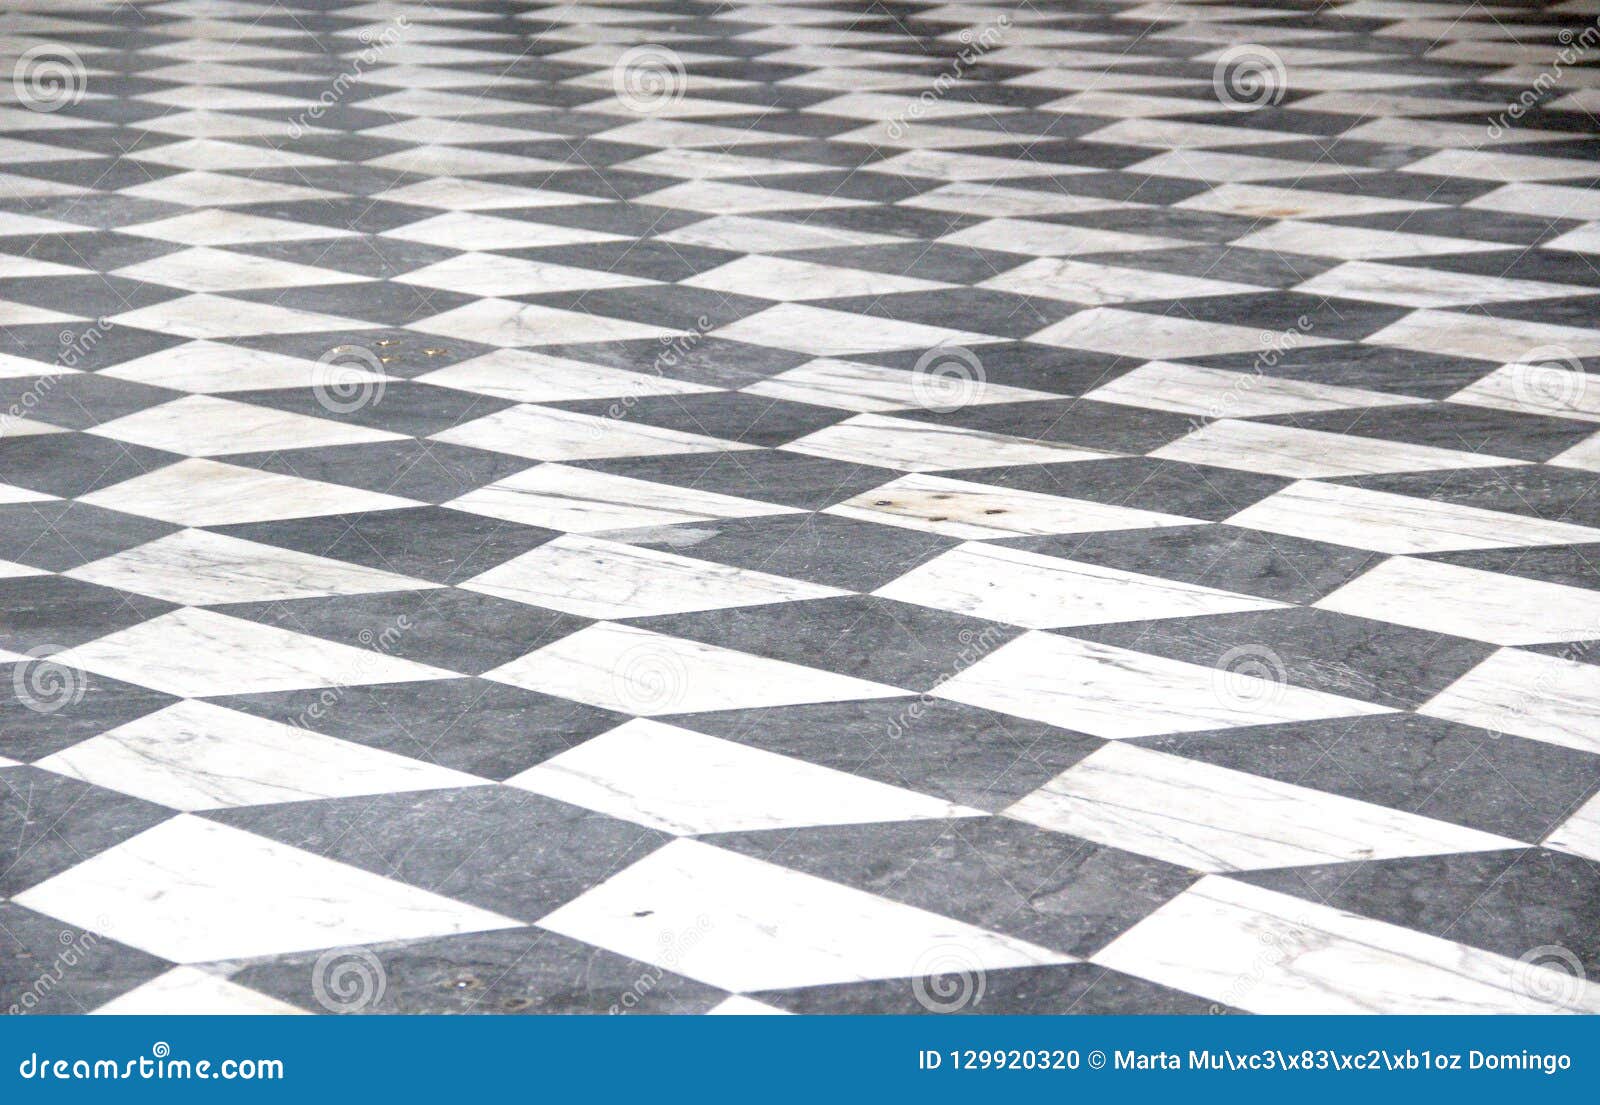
{"x": 816, "y": 507}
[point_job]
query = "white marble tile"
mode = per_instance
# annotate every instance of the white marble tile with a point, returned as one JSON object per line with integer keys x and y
{"x": 459, "y": 194}
{"x": 746, "y": 925}
{"x": 1555, "y": 388}
{"x": 912, "y": 446}
{"x": 510, "y": 323}
{"x": 1546, "y": 698}
{"x": 1052, "y": 239}
{"x": 200, "y": 653}
{"x": 1408, "y": 286}
{"x": 12, "y": 494}
{"x": 12, "y": 427}
{"x": 1389, "y": 523}
{"x": 1146, "y": 336}
{"x": 1470, "y": 334}
{"x": 207, "y": 367}
{"x": 465, "y": 230}
{"x": 209, "y": 426}
{"x": 440, "y": 160}
{"x": 208, "y": 493}
{"x": 1045, "y": 592}
{"x": 676, "y": 134}
{"x": 1099, "y": 285}
{"x": 1225, "y": 167}
{"x": 199, "y": 568}
{"x": 196, "y": 756}
{"x": 212, "y": 154}
{"x": 1584, "y": 239}
{"x": 205, "y": 190}
{"x": 491, "y": 274}
{"x": 1167, "y": 134}
{"x": 1579, "y": 834}
{"x": 596, "y": 578}
{"x": 192, "y": 891}
{"x": 952, "y": 166}
{"x": 688, "y": 783}
{"x": 1211, "y": 818}
{"x": 1117, "y": 693}
{"x": 853, "y": 386}
{"x": 1217, "y": 393}
{"x": 752, "y": 235}
{"x": 450, "y": 131}
{"x": 1494, "y": 165}
{"x": 1266, "y": 202}
{"x": 1467, "y": 602}
{"x": 186, "y": 991}
{"x": 9, "y": 569}
{"x": 524, "y": 376}
{"x": 225, "y": 228}
{"x": 1355, "y": 243}
{"x": 203, "y": 269}
{"x": 718, "y": 197}
{"x": 549, "y": 433}
{"x": 1584, "y": 455}
{"x": 649, "y": 674}
{"x": 578, "y": 500}
{"x": 976, "y": 511}
{"x": 740, "y": 1006}
{"x": 214, "y": 316}
{"x": 1312, "y": 454}
{"x": 827, "y": 333}
{"x": 998, "y": 201}
{"x": 788, "y": 280}
{"x": 710, "y": 164}
{"x": 1266, "y": 952}
{"x": 1544, "y": 200}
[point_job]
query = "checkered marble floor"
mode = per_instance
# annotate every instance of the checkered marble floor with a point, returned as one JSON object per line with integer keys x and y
{"x": 687, "y": 506}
